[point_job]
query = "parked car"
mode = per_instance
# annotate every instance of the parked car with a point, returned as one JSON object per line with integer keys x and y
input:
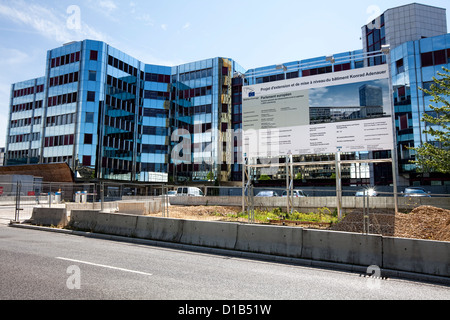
{"x": 267, "y": 194}
{"x": 416, "y": 192}
{"x": 189, "y": 192}
{"x": 296, "y": 194}
{"x": 172, "y": 193}
{"x": 369, "y": 192}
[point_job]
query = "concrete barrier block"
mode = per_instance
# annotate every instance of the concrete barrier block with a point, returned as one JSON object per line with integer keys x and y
{"x": 50, "y": 217}
{"x": 85, "y": 220}
{"x": 281, "y": 241}
{"x": 419, "y": 256}
{"x": 117, "y": 224}
{"x": 159, "y": 229}
{"x": 342, "y": 247}
{"x": 210, "y": 234}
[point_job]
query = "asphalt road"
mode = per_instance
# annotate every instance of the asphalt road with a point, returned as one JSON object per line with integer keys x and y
{"x": 53, "y": 266}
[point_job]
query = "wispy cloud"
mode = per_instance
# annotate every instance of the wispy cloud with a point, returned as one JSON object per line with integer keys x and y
{"x": 187, "y": 25}
{"x": 108, "y": 5}
{"x": 47, "y": 21}
{"x": 164, "y": 27}
{"x": 12, "y": 56}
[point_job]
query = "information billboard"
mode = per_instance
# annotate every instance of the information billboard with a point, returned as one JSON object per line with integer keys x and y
{"x": 345, "y": 111}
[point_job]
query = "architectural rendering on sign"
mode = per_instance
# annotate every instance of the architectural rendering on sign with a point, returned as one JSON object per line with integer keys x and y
{"x": 110, "y": 116}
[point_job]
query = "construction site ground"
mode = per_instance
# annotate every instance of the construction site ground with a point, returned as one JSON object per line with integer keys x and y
{"x": 425, "y": 222}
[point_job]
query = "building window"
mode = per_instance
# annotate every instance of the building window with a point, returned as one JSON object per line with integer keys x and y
{"x": 439, "y": 57}
{"x": 87, "y": 161}
{"x": 427, "y": 59}
{"x": 92, "y": 75}
{"x": 89, "y": 117}
{"x": 94, "y": 55}
{"x": 91, "y": 96}
{"x": 87, "y": 138}
{"x": 400, "y": 66}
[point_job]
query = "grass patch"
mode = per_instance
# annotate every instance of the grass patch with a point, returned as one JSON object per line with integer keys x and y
{"x": 323, "y": 215}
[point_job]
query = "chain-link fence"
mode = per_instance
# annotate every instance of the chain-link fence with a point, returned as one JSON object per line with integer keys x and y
{"x": 364, "y": 210}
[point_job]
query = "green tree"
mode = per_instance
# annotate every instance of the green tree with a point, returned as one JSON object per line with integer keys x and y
{"x": 434, "y": 156}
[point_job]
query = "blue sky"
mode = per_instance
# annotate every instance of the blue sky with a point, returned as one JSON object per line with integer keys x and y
{"x": 254, "y": 33}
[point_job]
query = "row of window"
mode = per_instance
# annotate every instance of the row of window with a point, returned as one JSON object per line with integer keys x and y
{"x": 191, "y": 111}
{"x": 328, "y": 69}
{"x": 156, "y": 95}
{"x": 155, "y": 131}
{"x": 202, "y": 127}
{"x": 121, "y": 85}
{"x": 66, "y": 59}
{"x": 66, "y": 159}
{"x": 28, "y": 91}
{"x": 62, "y": 99}
{"x": 194, "y": 75}
{"x": 25, "y": 122}
{"x": 156, "y": 113}
{"x": 305, "y": 73}
{"x": 56, "y": 141}
{"x": 154, "y": 77}
{"x": 125, "y": 67}
{"x": 119, "y": 165}
{"x": 192, "y": 93}
{"x": 63, "y": 79}
{"x": 61, "y": 120}
{"x": 153, "y": 167}
{"x": 116, "y": 103}
{"x": 157, "y": 149}
{"x": 26, "y": 106}
{"x": 22, "y": 154}
{"x": 24, "y": 137}
{"x": 435, "y": 58}
{"x": 125, "y": 144}
{"x": 118, "y": 123}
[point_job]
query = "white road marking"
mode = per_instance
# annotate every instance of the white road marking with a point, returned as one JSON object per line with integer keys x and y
{"x": 104, "y": 266}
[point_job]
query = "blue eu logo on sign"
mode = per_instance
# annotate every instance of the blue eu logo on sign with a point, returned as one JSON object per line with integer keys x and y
{"x": 251, "y": 94}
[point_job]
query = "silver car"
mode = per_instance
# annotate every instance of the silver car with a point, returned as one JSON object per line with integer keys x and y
{"x": 416, "y": 192}
{"x": 296, "y": 194}
{"x": 267, "y": 194}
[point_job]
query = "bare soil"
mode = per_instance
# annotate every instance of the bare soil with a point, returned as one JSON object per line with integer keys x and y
{"x": 425, "y": 222}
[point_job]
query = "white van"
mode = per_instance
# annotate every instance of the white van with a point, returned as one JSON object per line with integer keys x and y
{"x": 189, "y": 192}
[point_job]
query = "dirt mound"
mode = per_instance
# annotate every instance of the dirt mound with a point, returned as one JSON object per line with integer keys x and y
{"x": 425, "y": 222}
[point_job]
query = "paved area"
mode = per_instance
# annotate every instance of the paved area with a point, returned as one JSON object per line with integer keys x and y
{"x": 49, "y": 265}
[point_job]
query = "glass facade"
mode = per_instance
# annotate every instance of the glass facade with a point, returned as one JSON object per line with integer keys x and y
{"x": 26, "y": 122}
{"x": 111, "y": 116}
{"x": 201, "y": 120}
{"x": 413, "y": 65}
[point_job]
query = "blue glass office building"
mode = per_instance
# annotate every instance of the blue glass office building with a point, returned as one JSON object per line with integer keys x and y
{"x": 413, "y": 65}
{"x": 111, "y": 116}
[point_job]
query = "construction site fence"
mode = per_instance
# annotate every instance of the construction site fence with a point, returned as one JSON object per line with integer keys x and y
{"x": 371, "y": 209}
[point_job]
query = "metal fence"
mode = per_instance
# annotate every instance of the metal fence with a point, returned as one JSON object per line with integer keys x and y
{"x": 365, "y": 210}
